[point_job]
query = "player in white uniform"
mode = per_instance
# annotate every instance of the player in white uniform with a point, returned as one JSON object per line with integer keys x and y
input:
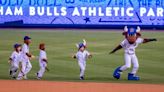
{"x": 42, "y": 61}
{"x": 131, "y": 41}
{"x": 82, "y": 56}
{"x": 25, "y": 59}
{"x": 14, "y": 60}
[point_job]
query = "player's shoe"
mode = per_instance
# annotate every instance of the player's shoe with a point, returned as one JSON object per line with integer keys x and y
{"x": 133, "y": 77}
{"x": 13, "y": 76}
{"x": 117, "y": 73}
{"x": 82, "y": 78}
{"x": 25, "y": 77}
{"x": 19, "y": 78}
{"x": 37, "y": 77}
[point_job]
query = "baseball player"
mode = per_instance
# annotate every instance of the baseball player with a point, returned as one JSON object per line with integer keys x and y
{"x": 14, "y": 60}
{"x": 42, "y": 61}
{"x": 131, "y": 41}
{"x": 25, "y": 59}
{"x": 82, "y": 56}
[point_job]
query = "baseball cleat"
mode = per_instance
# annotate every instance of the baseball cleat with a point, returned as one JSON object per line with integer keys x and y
{"x": 133, "y": 77}
{"x": 117, "y": 73}
{"x": 19, "y": 78}
{"x": 39, "y": 78}
{"x": 25, "y": 77}
{"x": 81, "y": 78}
{"x": 14, "y": 77}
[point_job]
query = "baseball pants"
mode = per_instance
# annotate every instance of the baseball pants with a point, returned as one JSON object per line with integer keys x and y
{"x": 26, "y": 67}
{"x": 14, "y": 68}
{"x": 128, "y": 60}
{"x": 43, "y": 66}
{"x": 82, "y": 67}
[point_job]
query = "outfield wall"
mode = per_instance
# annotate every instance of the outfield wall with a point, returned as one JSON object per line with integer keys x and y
{"x": 82, "y": 13}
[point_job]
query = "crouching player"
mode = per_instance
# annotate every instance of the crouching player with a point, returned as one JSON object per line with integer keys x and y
{"x": 42, "y": 61}
{"x": 82, "y": 56}
{"x": 131, "y": 41}
{"x": 14, "y": 60}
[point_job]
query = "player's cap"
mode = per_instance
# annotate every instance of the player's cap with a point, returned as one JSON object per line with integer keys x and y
{"x": 81, "y": 45}
{"x": 17, "y": 45}
{"x": 132, "y": 31}
{"x": 26, "y": 38}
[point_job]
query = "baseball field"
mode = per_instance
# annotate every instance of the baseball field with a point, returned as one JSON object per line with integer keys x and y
{"x": 60, "y": 46}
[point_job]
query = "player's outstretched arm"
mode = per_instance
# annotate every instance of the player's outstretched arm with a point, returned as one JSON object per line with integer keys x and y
{"x": 149, "y": 40}
{"x": 45, "y": 60}
{"x": 30, "y": 55}
{"x": 10, "y": 60}
{"x": 90, "y": 56}
{"x": 117, "y": 48}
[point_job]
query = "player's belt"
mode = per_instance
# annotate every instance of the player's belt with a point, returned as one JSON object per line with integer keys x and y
{"x": 129, "y": 53}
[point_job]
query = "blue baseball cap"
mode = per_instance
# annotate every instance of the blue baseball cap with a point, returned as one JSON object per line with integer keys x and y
{"x": 17, "y": 45}
{"x": 81, "y": 45}
{"x": 27, "y": 38}
{"x": 131, "y": 33}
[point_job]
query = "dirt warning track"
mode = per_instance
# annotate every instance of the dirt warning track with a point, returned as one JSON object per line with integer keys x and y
{"x": 51, "y": 86}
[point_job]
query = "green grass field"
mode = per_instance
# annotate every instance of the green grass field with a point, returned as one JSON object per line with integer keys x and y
{"x": 60, "y": 47}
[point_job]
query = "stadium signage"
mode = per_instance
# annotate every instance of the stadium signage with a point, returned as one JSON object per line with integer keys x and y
{"x": 144, "y": 12}
{"x": 82, "y": 11}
